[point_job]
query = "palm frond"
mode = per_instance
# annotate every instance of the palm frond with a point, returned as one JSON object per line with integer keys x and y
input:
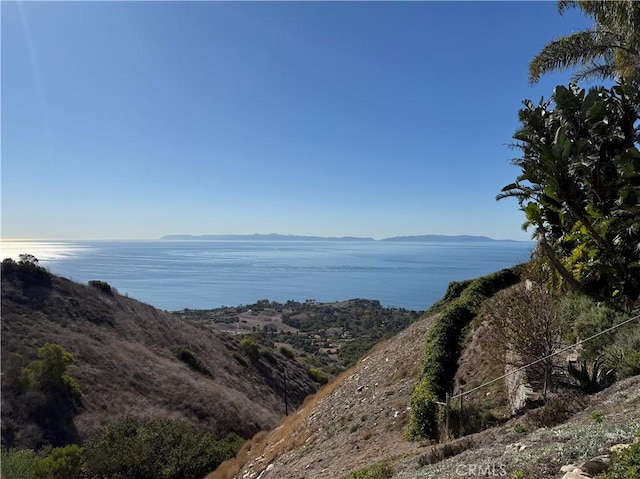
{"x": 594, "y": 72}
{"x": 566, "y": 52}
{"x": 613, "y": 41}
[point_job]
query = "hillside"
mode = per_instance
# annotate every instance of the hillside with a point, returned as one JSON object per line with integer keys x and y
{"x": 359, "y": 420}
{"x": 362, "y": 414}
{"x": 126, "y": 364}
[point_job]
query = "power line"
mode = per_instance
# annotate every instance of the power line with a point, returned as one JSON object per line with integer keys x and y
{"x": 464, "y": 393}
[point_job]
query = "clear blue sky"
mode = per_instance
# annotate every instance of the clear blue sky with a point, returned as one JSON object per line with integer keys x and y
{"x": 132, "y": 120}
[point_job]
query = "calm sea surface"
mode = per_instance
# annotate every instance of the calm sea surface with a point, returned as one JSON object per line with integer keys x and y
{"x": 174, "y": 275}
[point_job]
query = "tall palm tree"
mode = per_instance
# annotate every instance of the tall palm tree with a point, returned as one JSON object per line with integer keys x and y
{"x": 609, "y": 49}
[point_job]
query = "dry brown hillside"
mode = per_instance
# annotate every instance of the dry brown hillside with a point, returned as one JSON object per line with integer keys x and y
{"x": 125, "y": 366}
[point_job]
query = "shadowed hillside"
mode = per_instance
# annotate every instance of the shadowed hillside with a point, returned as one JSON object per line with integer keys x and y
{"x": 131, "y": 360}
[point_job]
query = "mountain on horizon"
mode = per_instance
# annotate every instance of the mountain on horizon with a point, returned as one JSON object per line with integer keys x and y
{"x": 444, "y": 238}
{"x": 264, "y": 237}
{"x": 280, "y": 237}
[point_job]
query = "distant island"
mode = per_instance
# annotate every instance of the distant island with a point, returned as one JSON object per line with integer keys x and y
{"x": 445, "y": 238}
{"x": 279, "y": 237}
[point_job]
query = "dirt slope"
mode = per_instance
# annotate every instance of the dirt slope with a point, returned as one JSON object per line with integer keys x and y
{"x": 125, "y": 366}
{"x": 357, "y": 420}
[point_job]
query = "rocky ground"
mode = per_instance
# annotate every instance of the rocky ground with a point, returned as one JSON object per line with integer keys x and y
{"x": 610, "y": 417}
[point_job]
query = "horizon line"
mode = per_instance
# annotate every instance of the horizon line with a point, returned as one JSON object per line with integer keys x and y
{"x": 167, "y": 237}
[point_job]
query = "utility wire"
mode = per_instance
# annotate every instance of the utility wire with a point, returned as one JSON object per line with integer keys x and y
{"x": 464, "y": 393}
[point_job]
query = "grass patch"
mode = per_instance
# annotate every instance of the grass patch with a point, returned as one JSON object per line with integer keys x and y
{"x": 379, "y": 470}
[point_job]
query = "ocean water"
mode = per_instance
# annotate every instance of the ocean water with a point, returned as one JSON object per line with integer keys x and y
{"x": 173, "y": 275}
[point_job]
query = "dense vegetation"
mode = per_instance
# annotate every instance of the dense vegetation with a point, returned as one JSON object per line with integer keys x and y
{"x": 128, "y": 449}
{"x": 579, "y": 185}
{"x": 625, "y": 464}
{"x": 42, "y": 395}
{"x": 379, "y": 470}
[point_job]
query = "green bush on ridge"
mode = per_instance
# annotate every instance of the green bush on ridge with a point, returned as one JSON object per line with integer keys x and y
{"x": 101, "y": 286}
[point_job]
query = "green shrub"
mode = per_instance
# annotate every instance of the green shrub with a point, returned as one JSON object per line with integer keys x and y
{"x": 445, "y": 337}
{"x": 597, "y": 417}
{"x": 379, "y": 470}
{"x": 318, "y": 376}
{"x": 423, "y": 415}
{"x": 63, "y": 463}
{"x": 624, "y": 352}
{"x": 442, "y": 349}
{"x": 191, "y": 359}
{"x": 250, "y": 347}
{"x": 101, "y": 286}
{"x": 48, "y": 372}
{"x": 43, "y": 395}
{"x": 159, "y": 449}
{"x": 20, "y": 464}
{"x": 519, "y": 428}
{"x": 585, "y": 317}
{"x": 26, "y": 271}
{"x": 624, "y": 465}
{"x": 455, "y": 289}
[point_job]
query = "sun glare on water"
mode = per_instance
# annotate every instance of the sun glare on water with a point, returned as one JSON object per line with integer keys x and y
{"x": 43, "y": 250}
